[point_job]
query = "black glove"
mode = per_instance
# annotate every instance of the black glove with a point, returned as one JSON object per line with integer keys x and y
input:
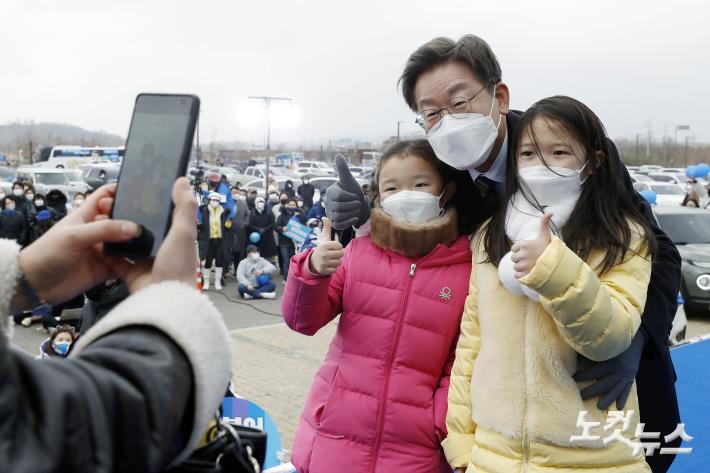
{"x": 345, "y": 202}
{"x": 614, "y": 377}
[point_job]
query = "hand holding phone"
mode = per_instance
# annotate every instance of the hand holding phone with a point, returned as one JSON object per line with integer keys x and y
{"x": 157, "y": 151}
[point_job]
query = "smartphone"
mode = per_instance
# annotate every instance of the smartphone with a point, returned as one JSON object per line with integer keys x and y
{"x": 157, "y": 152}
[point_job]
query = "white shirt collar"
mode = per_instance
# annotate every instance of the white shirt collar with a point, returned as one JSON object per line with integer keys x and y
{"x": 498, "y": 169}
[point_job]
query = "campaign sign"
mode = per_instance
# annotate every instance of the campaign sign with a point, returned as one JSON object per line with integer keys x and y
{"x": 248, "y": 414}
{"x": 297, "y": 232}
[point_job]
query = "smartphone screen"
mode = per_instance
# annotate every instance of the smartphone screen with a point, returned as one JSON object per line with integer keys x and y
{"x": 157, "y": 151}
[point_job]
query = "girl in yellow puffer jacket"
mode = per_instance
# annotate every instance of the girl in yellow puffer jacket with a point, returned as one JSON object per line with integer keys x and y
{"x": 562, "y": 269}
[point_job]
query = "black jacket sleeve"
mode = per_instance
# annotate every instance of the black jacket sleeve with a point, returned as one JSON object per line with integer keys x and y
{"x": 662, "y": 297}
{"x": 120, "y": 406}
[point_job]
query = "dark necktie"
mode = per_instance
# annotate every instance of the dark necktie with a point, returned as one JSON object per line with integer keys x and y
{"x": 485, "y": 185}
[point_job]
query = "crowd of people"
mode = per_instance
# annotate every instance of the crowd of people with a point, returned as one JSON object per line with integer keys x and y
{"x": 246, "y": 235}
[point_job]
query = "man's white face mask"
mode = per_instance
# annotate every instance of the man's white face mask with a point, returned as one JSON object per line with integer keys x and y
{"x": 464, "y": 141}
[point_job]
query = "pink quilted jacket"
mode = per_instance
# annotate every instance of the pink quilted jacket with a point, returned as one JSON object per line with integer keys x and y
{"x": 378, "y": 403}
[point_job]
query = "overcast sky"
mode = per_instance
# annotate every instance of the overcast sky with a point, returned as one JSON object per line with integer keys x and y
{"x": 84, "y": 61}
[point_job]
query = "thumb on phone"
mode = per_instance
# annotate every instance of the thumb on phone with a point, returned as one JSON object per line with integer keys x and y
{"x": 545, "y": 230}
{"x": 345, "y": 177}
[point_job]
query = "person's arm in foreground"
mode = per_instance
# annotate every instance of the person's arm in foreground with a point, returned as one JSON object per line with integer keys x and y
{"x": 140, "y": 387}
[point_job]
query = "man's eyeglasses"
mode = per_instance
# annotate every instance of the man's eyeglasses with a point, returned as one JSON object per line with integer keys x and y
{"x": 429, "y": 118}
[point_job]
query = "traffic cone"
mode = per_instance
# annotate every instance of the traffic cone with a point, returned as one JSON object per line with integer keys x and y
{"x": 199, "y": 277}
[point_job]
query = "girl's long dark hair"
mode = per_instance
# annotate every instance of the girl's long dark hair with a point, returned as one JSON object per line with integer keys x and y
{"x": 466, "y": 199}
{"x": 600, "y": 219}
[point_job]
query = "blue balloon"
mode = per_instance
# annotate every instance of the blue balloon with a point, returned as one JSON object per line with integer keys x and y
{"x": 255, "y": 237}
{"x": 690, "y": 171}
{"x": 650, "y": 196}
{"x": 263, "y": 279}
{"x": 702, "y": 170}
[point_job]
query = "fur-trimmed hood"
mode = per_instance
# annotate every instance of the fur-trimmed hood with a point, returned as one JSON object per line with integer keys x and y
{"x": 413, "y": 239}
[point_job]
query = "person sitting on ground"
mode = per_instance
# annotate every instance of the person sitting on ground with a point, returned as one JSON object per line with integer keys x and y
{"x": 248, "y": 272}
{"x": 59, "y": 344}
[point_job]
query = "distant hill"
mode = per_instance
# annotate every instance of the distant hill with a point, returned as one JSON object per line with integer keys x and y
{"x": 14, "y": 136}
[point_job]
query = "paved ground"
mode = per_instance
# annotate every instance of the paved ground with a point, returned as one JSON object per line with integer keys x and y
{"x": 273, "y": 366}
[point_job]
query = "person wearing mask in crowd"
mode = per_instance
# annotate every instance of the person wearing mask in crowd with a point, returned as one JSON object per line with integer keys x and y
{"x": 251, "y": 198}
{"x": 300, "y": 204}
{"x": 418, "y": 251}
{"x": 218, "y": 183}
{"x": 13, "y": 224}
{"x": 39, "y": 203}
{"x": 29, "y": 192}
{"x": 163, "y": 355}
{"x": 273, "y": 200}
{"x": 215, "y": 224}
{"x": 78, "y": 200}
{"x": 306, "y": 191}
{"x": 57, "y": 201}
{"x": 273, "y": 184}
{"x": 22, "y": 205}
{"x": 59, "y": 344}
{"x": 289, "y": 190}
{"x": 287, "y": 247}
{"x": 248, "y": 272}
{"x": 239, "y": 228}
{"x": 317, "y": 210}
{"x": 283, "y": 200}
{"x": 262, "y": 222}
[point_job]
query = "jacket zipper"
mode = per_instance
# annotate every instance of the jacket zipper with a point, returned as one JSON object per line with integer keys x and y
{"x": 390, "y": 359}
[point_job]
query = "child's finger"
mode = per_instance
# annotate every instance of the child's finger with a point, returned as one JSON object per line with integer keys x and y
{"x": 545, "y": 230}
{"x": 327, "y": 231}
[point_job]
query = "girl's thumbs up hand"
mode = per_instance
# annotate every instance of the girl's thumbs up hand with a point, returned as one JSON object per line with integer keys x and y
{"x": 328, "y": 255}
{"x": 526, "y": 252}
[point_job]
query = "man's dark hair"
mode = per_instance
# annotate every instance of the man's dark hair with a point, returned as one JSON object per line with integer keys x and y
{"x": 469, "y": 50}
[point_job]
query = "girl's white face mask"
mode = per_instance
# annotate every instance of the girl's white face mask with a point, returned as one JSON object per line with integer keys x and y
{"x": 552, "y": 185}
{"x": 413, "y": 206}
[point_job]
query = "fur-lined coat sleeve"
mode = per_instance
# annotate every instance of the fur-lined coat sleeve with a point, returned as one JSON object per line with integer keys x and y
{"x": 135, "y": 395}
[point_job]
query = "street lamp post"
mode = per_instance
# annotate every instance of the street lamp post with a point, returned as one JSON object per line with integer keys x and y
{"x": 267, "y": 100}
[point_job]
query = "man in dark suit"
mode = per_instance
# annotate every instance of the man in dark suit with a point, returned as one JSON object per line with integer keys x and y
{"x": 463, "y": 77}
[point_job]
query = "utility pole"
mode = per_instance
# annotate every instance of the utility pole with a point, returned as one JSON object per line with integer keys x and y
{"x": 267, "y": 100}
{"x": 685, "y": 153}
{"x": 637, "y": 147}
{"x": 648, "y": 140}
{"x": 398, "y": 123}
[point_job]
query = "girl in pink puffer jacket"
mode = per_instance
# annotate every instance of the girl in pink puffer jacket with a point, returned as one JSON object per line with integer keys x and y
{"x": 378, "y": 403}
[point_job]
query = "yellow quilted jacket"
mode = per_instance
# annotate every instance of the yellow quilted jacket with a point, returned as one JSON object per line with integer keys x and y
{"x": 513, "y": 404}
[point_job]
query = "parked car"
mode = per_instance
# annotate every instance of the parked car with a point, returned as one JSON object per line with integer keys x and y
{"x": 323, "y": 183}
{"x": 97, "y": 176}
{"x": 258, "y": 184}
{"x": 47, "y": 179}
{"x": 689, "y": 229}
{"x": 649, "y": 168}
{"x": 666, "y": 194}
{"x": 640, "y": 178}
{"x": 7, "y": 176}
{"x": 315, "y": 168}
{"x": 632, "y": 168}
{"x": 674, "y": 170}
{"x": 673, "y": 178}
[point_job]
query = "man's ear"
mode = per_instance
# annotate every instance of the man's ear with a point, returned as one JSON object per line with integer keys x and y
{"x": 503, "y": 97}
